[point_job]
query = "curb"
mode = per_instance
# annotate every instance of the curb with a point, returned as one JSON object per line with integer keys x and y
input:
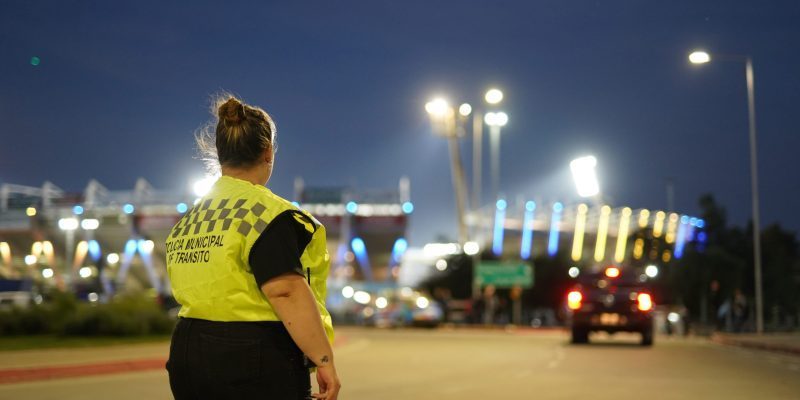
{"x": 756, "y": 345}
{"x": 17, "y": 375}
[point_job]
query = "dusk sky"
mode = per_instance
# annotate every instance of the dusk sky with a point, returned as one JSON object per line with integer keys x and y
{"x": 119, "y": 91}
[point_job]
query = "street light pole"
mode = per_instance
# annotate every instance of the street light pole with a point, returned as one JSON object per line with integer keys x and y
{"x": 751, "y": 108}
{"x": 494, "y": 146}
{"x": 477, "y": 155}
{"x": 701, "y": 57}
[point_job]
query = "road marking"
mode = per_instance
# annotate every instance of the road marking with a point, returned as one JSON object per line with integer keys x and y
{"x": 557, "y": 359}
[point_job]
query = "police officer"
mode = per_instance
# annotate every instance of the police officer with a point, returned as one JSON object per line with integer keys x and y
{"x": 249, "y": 270}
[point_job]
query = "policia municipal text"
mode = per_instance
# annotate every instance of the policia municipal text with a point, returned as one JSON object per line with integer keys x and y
{"x": 249, "y": 270}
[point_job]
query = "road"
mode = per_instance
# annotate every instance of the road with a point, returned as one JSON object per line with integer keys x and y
{"x": 482, "y": 364}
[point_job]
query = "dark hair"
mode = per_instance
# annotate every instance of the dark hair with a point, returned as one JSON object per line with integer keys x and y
{"x": 241, "y": 135}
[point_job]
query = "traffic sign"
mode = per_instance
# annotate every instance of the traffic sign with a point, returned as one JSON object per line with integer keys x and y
{"x": 504, "y": 275}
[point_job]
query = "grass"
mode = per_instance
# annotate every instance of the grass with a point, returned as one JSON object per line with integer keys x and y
{"x": 12, "y": 343}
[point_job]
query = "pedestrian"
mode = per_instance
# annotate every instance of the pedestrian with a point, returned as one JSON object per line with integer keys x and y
{"x": 249, "y": 270}
{"x": 740, "y": 311}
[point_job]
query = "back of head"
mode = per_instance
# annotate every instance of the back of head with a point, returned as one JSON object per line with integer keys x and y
{"x": 241, "y": 135}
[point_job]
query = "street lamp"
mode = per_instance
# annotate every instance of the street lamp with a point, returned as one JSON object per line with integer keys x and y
{"x": 495, "y": 120}
{"x": 492, "y": 97}
{"x": 701, "y": 57}
{"x": 444, "y": 123}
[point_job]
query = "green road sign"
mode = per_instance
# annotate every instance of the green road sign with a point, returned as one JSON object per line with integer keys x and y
{"x": 504, "y": 275}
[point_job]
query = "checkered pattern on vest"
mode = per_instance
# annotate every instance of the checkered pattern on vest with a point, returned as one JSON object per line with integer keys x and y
{"x": 217, "y": 215}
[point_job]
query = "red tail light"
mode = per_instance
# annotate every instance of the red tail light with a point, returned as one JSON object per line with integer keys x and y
{"x": 574, "y": 299}
{"x": 645, "y": 302}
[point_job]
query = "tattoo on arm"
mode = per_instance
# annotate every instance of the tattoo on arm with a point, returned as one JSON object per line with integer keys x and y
{"x": 324, "y": 360}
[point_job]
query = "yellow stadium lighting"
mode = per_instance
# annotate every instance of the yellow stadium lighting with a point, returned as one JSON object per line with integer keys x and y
{"x": 31, "y": 211}
{"x": 638, "y": 248}
{"x": 644, "y": 218}
{"x": 622, "y": 235}
{"x": 5, "y": 253}
{"x": 36, "y": 249}
{"x": 658, "y": 226}
{"x": 672, "y": 226}
{"x": 602, "y": 232}
{"x": 580, "y": 228}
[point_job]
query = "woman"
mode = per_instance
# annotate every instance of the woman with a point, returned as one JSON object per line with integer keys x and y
{"x": 249, "y": 270}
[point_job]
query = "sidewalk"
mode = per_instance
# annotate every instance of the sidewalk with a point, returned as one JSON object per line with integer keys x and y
{"x": 787, "y": 343}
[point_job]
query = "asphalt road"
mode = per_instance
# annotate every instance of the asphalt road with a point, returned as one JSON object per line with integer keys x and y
{"x": 480, "y": 364}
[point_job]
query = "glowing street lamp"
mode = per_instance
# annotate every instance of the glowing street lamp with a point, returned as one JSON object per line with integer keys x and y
{"x": 493, "y": 96}
{"x": 701, "y": 57}
{"x": 443, "y": 119}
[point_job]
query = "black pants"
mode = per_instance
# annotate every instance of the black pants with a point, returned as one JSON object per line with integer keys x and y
{"x": 235, "y": 360}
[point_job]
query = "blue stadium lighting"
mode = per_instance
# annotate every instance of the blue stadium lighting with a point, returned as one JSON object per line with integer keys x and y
{"x": 77, "y": 210}
{"x": 399, "y": 248}
{"x": 351, "y": 207}
{"x": 128, "y": 208}
{"x": 701, "y": 224}
{"x": 499, "y": 223}
{"x": 552, "y": 243}
{"x": 680, "y": 241}
{"x": 130, "y": 249}
{"x": 702, "y": 237}
{"x": 358, "y": 245}
{"x": 408, "y": 207}
{"x": 501, "y": 204}
{"x": 693, "y": 221}
{"x": 527, "y": 231}
{"x": 94, "y": 250}
{"x": 182, "y": 208}
{"x": 360, "y": 251}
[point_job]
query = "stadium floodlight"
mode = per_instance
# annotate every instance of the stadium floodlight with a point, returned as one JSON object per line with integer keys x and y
{"x": 90, "y": 224}
{"x": 68, "y": 224}
{"x": 496, "y": 119}
{"x": 203, "y": 186}
{"x": 584, "y": 175}
{"x": 465, "y": 109}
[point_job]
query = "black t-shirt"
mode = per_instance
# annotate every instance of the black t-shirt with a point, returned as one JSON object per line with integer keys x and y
{"x": 277, "y": 251}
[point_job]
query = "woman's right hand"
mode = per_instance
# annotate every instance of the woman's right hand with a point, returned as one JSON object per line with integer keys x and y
{"x": 328, "y": 382}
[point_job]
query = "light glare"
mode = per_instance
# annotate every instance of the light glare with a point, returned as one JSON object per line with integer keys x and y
{"x": 699, "y": 57}
{"x": 493, "y": 96}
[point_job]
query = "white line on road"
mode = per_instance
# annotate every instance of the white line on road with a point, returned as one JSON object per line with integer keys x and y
{"x": 557, "y": 358}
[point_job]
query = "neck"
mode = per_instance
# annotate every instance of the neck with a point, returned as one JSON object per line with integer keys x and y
{"x": 252, "y": 175}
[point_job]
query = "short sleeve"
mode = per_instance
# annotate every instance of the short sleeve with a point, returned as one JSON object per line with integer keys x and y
{"x": 277, "y": 251}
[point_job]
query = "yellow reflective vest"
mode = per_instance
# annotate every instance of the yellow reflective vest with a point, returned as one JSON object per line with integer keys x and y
{"x": 208, "y": 251}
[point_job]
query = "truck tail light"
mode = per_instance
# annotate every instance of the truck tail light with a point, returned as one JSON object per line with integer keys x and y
{"x": 645, "y": 302}
{"x": 574, "y": 299}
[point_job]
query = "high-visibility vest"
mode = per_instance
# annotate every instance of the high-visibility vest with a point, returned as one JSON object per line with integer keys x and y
{"x": 208, "y": 251}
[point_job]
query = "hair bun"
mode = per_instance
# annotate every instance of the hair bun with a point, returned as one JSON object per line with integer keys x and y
{"x": 232, "y": 111}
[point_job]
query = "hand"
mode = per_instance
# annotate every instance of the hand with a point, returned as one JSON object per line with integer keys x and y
{"x": 328, "y": 382}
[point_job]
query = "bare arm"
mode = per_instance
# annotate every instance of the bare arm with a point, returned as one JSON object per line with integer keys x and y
{"x": 292, "y": 300}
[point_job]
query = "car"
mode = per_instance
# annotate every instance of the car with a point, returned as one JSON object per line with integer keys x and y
{"x": 404, "y": 307}
{"x": 610, "y": 299}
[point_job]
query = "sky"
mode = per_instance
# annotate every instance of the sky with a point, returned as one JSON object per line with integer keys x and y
{"x": 120, "y": 89}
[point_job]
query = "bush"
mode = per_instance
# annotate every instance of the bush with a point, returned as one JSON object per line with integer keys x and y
{"x": 64, "y": 315}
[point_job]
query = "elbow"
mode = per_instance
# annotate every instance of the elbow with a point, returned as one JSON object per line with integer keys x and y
{"x": 282, "y": 287}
